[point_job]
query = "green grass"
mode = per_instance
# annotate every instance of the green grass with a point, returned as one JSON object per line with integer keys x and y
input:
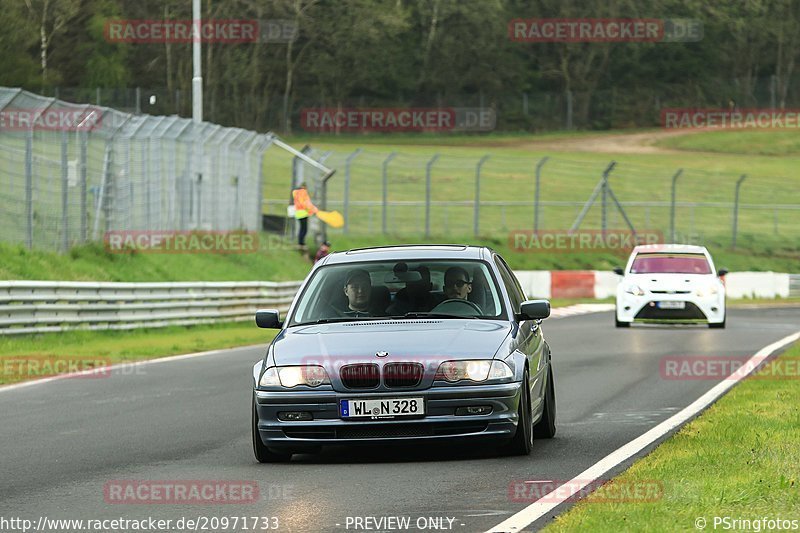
{"x": 739, "y": 459}
{"x": 109, "y": 347}
{"x": 93, "y": 263}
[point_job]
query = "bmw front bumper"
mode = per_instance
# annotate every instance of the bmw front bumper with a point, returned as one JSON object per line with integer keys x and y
{"x": 440, "y": 422}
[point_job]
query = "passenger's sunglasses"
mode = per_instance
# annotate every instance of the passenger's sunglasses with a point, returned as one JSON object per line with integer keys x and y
{"x": 460, "y": 283}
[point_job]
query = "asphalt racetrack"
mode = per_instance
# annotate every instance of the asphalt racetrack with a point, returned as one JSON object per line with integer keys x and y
{"x": 65, "y": 441}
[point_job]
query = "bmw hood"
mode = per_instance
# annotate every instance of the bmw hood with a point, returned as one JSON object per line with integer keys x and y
{"x": 404, "y": 340}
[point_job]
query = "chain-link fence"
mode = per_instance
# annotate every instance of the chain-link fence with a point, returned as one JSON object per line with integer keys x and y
{"x": 70, "y": 173}
{"x": 459, "y": 192}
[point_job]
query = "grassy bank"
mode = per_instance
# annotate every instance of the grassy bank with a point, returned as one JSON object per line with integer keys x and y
{"x": 282, "y": 262}
{"x": 738, "y": 460}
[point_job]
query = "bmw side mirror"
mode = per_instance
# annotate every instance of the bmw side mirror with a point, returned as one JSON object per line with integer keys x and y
{"x": 722, "y": 272}
{"x": 268, "y": 318}
{"x": 618, "y": 271}
{"x": 533, "y": 310}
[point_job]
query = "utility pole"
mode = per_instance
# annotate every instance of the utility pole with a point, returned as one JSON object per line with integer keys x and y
{"x": 197, "y": 78}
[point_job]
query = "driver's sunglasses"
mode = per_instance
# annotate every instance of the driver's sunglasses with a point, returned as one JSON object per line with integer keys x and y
{"x": 460, "y": 283}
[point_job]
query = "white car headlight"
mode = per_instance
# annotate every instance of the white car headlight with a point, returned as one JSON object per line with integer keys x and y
{"x": 476, "y": 370}
{"x": 634, "y": 289}
{"x": 292, "y": 376}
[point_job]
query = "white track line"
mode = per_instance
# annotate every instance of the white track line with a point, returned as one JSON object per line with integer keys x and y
{"x": 579, "y": 309}
{"x": 537, "y": 510}
{"x": 130, "y": 364}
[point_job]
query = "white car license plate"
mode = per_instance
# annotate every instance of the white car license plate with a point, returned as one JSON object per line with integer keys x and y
{"x": 672, "y": 305}
{"x": 384, "y": 407}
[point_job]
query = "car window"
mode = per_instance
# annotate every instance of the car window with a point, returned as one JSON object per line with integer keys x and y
{"x": 515, "y": 293}
{"x": 399, "y": 288}
{"x": 661, "y": 263}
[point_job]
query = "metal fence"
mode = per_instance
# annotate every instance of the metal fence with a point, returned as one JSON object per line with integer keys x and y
{"x": 70, "y": 173}
{"x": 461, "y": 193}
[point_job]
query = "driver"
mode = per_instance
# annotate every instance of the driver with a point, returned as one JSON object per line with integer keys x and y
{"x": 456, "y": 284}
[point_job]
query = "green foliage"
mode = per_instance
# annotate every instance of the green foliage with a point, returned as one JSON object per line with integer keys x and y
{"x": 406, "y": 53}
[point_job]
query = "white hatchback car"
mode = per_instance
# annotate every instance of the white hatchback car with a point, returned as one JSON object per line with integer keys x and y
{"x": 672, "y": 283}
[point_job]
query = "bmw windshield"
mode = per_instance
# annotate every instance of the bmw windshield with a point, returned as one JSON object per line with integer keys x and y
{"x": 399, "y": 289}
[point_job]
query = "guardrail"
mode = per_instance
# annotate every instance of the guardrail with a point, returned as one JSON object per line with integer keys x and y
{"x": 794, "y": 285}
{"x": 48, "y": 306}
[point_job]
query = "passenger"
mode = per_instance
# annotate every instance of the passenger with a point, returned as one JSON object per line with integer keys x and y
{"x": 416, "y": 296}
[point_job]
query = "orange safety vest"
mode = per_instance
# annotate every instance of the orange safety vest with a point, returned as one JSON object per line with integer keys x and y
{"x": 302, "y": 204}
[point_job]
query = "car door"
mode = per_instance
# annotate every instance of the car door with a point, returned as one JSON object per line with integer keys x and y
{"x": 529, "y": 339}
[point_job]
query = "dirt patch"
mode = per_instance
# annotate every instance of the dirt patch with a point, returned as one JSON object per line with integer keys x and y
{"x": 625, "y": 143}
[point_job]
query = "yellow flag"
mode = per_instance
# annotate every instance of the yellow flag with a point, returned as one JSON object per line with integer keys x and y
{"x": 332, "y": 218}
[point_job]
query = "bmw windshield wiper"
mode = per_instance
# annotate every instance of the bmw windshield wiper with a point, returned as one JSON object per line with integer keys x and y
{"x": 340, "y": 319}
{"x": 433, "y": 315}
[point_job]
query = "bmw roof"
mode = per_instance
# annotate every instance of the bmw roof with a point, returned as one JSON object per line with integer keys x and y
{"x": 409, "y": 252}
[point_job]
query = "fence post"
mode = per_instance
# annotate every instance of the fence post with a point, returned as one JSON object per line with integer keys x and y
{"x": 539, "y": 166}
{"x": 672, "y": 206}
{"x": 478, "y": 193}
{"x": 736, "y": 209}
{"x": 604, "y": 205}
{"x": 83, "y": 163}
{"x": 569, "y": 109}
{"x": 346, "y": 207}
{"x": 29, "y": 189}
{"x": 64, "y": 193}
{"x": 385, "y": 188}
{"x": 428, "y": 195}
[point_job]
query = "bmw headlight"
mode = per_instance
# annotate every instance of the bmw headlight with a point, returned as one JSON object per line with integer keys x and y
{"x": 635, "y": 290}
{"x": 292, "y": 376}
{"x": 476, "y": 370}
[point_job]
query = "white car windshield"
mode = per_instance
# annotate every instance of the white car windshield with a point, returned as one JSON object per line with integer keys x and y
{"x": 447, "y": 289}
{"x": 661, "y": 263}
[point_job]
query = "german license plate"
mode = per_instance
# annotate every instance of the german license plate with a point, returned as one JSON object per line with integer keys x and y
{"x": 384, "y": 407}
{"x": 671, "y": 305}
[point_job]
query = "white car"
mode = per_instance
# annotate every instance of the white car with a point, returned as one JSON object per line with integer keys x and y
{"x": 672, "y": 283}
